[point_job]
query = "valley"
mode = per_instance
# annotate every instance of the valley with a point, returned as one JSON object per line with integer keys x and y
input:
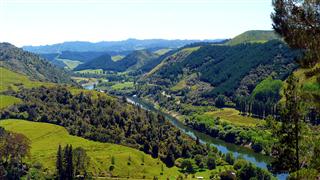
{"x": 158, "y": 109}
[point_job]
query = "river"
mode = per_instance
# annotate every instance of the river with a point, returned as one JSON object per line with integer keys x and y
{"x": 259, "y": 160}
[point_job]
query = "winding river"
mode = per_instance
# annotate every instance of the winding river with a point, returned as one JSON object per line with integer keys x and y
{"x": 259, "y": 160}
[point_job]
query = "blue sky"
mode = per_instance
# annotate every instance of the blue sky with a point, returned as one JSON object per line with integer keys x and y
{"x": 40, "y": 22}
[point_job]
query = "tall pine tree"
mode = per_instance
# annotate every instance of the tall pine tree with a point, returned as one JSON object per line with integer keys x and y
{"x": 59, "y": 164}
{"x": 286, "y": 151}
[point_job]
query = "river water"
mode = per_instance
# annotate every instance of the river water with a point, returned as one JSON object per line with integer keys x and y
{"x": 259, "y": 160}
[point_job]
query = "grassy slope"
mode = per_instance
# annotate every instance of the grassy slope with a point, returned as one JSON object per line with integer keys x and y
{"x": 309, "y": 87}
{"x": 185, "y": 50}
{"x": 9, "y": 79}
{"x": 117, "y": 57}
{"x": 45, "y": 139}
{"x": 6, "y": 101}
{"x": 71, "y": 64}
{"x": 253, "y": 37}
{"x": 162, "y": 51}
{"x": 121, "y": 86}
{"x": 14, "y": 80}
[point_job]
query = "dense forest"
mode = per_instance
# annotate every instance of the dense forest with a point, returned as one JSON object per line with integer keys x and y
{"x": 105, "y": 119}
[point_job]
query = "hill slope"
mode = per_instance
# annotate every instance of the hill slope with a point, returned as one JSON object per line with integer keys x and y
{"x": 224, "y": 67}
{"x": 132, "y": 62}
{"x": 45, "y": 139}
{"x": 255, "y": 36}
{"x": 102, "y": 62}
{"x": 29, "y": 64}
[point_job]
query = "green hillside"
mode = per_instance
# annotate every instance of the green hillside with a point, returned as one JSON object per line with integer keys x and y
{"x": 231, "y": 70}
{"x": 132, "y": 62}
{"x": 31, "y": 65}
{"x": 255, "y": 36}
{"x": 12, "y": 80}
{"x": 45, "y": 139}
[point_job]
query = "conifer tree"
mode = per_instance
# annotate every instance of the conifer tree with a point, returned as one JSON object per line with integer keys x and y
{"x": 289, "y": 135}
{"x": 59, "y": 164}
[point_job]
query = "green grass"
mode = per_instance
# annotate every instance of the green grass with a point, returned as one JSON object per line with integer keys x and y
{"x": 121, "y": 86}
{"x": 233, "y": 116}
{"x": 6, "y": 101}
{"x": 45, "y": 139}
{"x": 9, "y": 79}
{"x": 162, "y": 51}
{"x": 117, "y": 58}
{"x": 255, "y": 36}
{"x": 267, "y": 87}
{"x": 180, "y": 85}
{"x": 71, "y": 64}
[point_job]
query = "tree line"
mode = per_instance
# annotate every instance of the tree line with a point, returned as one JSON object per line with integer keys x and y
{"x": 102, "y": 118}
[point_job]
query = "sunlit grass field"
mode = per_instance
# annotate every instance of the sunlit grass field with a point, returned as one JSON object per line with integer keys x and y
{"x": 9, "y": 79}
{"x": 45, "y": 139}
{"x": 121, "y": 86}
{"x": 233, "y": 116}
{"x": 6, "y": 101}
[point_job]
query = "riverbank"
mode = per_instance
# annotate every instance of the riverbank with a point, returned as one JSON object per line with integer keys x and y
{"x": 242, "y": 131}
{"x": 257, "y": 159}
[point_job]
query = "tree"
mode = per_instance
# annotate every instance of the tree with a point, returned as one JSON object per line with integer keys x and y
{"x": 220, "y": 101}
{"x": 13, "y": 148}
{"x": 59, "y": 164}
{"x": 298, "y": 22}
{"x": 211, "y": 163}
{"x": 229, "y": 158}
{"x": 286, "y": 151}
{"x": 187, "y": 165}
{"x": 68, "y": 162}
{"x": 199, "y": 161}
{"x": 155, "y": 150}
{"x": 80, "y": 161}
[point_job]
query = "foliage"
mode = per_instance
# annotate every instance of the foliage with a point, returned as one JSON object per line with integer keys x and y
{"x": 211, "y": 162}
{"x": 224, "y": 67}
{"x": 287, "y": 149}
{"x": 297, "y": 21}
{"x": 103, "y": 119}
{"x": 267, "y": 89}
{"x": 13, "y": 148}
{"x": 304, "y": 174}
{"x": 46, "y": 138}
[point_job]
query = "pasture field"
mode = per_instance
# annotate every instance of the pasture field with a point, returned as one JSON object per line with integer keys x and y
{"x": 71, "y": 64}
{"x": 45, "y": 139}
{"x": 233, "y": 116}
{"x": 10, "y": 79}
{"x": 124, "y": 85}
{"x": 117, "y": 58}
{"x": 6, "y": 101}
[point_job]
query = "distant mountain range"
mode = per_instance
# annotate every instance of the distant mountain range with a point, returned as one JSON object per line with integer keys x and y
{"x": 117, "y": 46}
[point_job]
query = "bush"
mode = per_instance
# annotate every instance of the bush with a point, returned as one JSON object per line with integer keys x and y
{"x": 211, "y": 163}
{"x": 304, "y": 174}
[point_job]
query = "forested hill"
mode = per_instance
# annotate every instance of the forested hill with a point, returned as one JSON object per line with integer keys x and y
{"x": 32, "y": 65}
{"x": 212, "y": 70}
{"x": 132, "y": 62}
